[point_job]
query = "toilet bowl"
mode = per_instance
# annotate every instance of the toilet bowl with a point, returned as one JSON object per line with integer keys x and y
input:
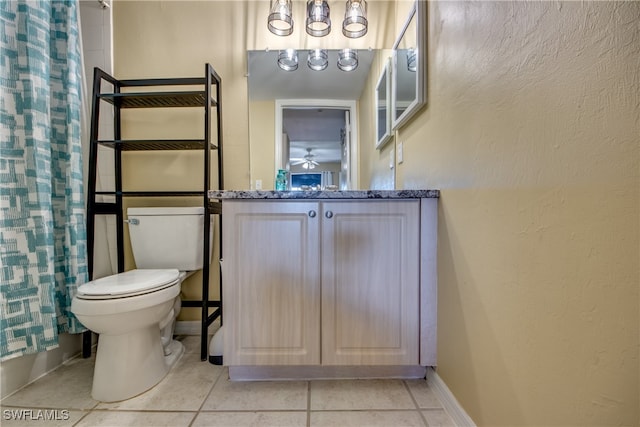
{"x": 134, "y": 312}
{"x": 126, "y": 310}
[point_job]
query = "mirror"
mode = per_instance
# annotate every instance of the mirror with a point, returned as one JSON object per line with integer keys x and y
{"x": 291, "y": 112}
{"x": 383, "y": 106}
{"x": 408, "y": 72}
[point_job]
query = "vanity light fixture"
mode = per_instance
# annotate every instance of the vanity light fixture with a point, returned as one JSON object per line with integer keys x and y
{"x": 411, "y": 59}
{"x": 318, "y": 59}
{"x": 318, "y": 21}
{"x": 348, "y": 59}
{"x": 288, "y": 59}
{"x": 280, "y": 21}
{"x": 355, "y": 19}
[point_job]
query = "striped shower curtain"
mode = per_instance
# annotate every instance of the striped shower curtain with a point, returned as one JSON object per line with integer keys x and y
{"x": 42, "y": 217}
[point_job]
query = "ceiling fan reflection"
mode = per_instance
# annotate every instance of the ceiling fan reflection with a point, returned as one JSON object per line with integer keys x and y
{"x": 307, "y": 161}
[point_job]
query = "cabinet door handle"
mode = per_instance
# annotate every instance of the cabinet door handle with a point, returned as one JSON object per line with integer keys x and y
{"x": 312, "y": 213}
{"x": 328, "y": 214}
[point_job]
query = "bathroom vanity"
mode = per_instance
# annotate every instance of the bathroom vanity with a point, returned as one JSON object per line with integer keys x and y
{"x": 329, "y": 283}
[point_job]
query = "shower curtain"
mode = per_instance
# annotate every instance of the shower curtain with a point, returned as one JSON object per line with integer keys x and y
{"x": 43, "y": 256}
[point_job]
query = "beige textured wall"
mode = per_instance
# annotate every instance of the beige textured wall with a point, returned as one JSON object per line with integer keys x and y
{"x": 532, "y": 135}
{"x": 262, "y": 129}
{"x": 532, "y": 132}
{"x": 175, "y": 39}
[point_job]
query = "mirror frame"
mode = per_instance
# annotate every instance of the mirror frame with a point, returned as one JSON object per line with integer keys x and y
{"x": 418, "y": 13}
{"x": 386, "y": 103}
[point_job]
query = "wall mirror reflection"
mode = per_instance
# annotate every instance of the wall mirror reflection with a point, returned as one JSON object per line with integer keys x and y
{"x": 383, "y": 106}
{"x": 305, "y": 114}
{"x": 315, "y": 144}
{"x": 409, "y": 67}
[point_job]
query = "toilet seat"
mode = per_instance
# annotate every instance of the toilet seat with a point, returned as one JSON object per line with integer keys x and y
{"x": 128, "y": 284}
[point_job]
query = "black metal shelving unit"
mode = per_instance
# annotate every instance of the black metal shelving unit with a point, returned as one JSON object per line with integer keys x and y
{"x": 149, "y": 93}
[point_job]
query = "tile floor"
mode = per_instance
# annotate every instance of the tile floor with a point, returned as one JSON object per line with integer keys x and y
{"x": 199, "y": 394}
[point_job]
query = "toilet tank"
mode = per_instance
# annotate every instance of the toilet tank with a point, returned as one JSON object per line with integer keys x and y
{"x": 168, "y": 237}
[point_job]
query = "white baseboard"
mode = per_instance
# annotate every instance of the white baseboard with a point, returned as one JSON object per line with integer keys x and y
{"x": 448, "y": 400}
{"x": 187, "y": 327}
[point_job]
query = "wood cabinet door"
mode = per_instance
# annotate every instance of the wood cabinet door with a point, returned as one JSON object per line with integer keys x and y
{"x": 271, "y": 283}
{"x": 370, "y": 283}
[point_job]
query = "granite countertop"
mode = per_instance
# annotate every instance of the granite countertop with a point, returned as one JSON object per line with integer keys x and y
{"x": 349, "y": 194}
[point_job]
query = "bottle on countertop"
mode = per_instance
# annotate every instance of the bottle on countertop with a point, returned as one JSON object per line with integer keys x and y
{"x": 281, "y": 180}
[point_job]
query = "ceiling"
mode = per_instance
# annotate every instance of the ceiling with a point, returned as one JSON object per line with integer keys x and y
{"x": 315, "y": 128}
{"x": 267, "y": 81}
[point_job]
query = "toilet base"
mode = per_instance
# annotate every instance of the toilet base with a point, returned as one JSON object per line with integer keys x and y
{"x": 176, "y": 350}
{"x": 130, "y": 364}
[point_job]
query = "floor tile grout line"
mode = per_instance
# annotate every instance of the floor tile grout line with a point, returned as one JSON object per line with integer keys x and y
{"x": 415, "y": 402}
{"x": 49, "y": 408}
{"x": 300, "y": 411}
{"x": 221, "y": 374}
{"x": 208, "y": 394}
{"x": 193, "y": 418}
{"x": 170, "y": 411}
{"x": 249, "y": 411}
{"x": 308, "y": 403}
{"x": 366, "y": 410}
{"x": 83, "y": 417}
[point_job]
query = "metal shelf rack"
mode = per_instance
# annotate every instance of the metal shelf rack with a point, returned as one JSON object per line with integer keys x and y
{"x": 128, "y": 94}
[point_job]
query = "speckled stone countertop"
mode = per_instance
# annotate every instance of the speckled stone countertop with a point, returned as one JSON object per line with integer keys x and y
{"x": 349, "y": 194}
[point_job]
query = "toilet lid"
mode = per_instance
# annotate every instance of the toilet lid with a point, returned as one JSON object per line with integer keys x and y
{"x": 133, "y": 282}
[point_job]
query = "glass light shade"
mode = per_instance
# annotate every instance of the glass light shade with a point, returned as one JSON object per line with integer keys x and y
{"x": 318, "y": 59}
{"x": 288, "y": 59}
{"x": 318, "y": 21}
{"x": 411, "y": 59}
{"x": 280, "y": 21}
{"x": 308, "y": 165}
{"x": 355, "y": 19}
{"x": 348, "y": 59}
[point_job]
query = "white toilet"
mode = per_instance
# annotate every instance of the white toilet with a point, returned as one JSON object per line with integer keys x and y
{"x": 134, "y": 312}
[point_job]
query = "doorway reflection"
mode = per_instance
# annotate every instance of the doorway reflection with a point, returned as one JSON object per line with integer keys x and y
{"x": 316, "y": 138}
